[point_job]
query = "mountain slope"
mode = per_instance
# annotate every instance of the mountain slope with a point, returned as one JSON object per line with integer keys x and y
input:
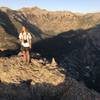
{"x": 50, "y": 22}
{"x": 41, "y": 23}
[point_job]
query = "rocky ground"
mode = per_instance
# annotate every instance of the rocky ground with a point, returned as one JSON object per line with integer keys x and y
{"x": 39, "y": 80}
{"x": 18, "y": 76}
{"x": 14, "y": 70}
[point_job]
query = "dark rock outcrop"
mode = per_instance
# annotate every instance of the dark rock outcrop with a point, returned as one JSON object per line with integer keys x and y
{"x": 77, "y": 51}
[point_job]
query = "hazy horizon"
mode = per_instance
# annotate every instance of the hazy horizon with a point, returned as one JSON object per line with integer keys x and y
{"x": 79, "y": 6}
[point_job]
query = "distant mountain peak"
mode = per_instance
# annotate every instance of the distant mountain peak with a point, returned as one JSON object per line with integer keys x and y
{"x": 5, "y": 9}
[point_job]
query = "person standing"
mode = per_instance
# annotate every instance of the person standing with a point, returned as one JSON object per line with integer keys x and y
{"x": 26, "y": 44}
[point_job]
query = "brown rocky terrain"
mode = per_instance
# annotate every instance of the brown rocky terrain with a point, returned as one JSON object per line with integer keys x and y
{"x": 72, "y": 39}
{"x": 39, "y": 80}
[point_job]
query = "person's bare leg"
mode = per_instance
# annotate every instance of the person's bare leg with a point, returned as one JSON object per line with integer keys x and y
{"x": 24, "y": 56}
{"x": 28, "y": 56}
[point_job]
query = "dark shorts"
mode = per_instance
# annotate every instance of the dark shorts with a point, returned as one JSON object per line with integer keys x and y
{"x": 25, "y": 48}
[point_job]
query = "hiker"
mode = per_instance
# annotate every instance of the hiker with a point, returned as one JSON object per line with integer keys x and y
{"x": 26, "y": 43}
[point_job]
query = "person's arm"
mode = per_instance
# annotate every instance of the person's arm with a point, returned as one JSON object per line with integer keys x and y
{"x": 30, "y": 44}
{"x": 20, "y": 37}
{"x": 30, "y": 40}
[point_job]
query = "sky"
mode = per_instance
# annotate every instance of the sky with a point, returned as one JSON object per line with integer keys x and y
{"x": 82, "y": 6}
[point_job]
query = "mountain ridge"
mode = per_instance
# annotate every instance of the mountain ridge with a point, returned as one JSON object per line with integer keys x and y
{"x": 46, "y": 20}
{"x": 72, "y": 39}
